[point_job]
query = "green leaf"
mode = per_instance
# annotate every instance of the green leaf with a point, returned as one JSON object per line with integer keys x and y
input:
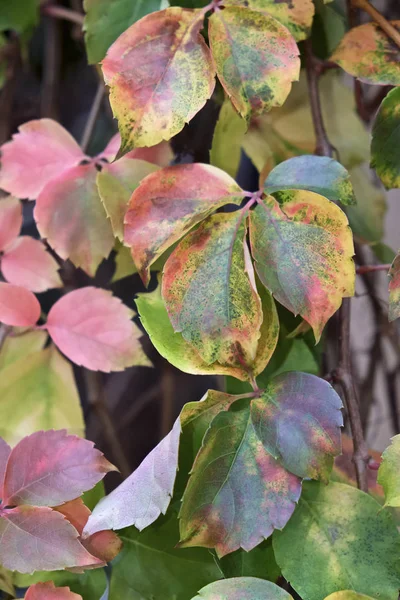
{"x": 227, "y": 141}
{"x": 317, "y": 174}
{"x": 6, "y": 582}
{"x": 259, "y": 562}
{"x": 284, "y": 236}
{"x": 367, "y": 217}
{"x": 151, "y": 568}
{"x": 244, "y": 464}
{"x": 243, "y": 588}
{"x": 90, "y": 585}
{"x": 337, "y": 539}
{"x": 348, "y": 595}
{"x": 21, "y": 346}
{"x": 19, "y": 15}
{"x": 389, "y": 472}
{"x": 37, "y": 392}
{"x": 394, "y": 289}
{"x": 105, "y": 21}
{"x": 329, "y": 27}
{"x": 256, "y": 59}
{"x": 93, "y": 496}
{"x": 385, "y": 147}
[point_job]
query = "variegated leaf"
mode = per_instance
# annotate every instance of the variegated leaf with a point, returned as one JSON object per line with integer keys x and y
{"x": 385, "y": 146}
{"x": 242, "y": 588}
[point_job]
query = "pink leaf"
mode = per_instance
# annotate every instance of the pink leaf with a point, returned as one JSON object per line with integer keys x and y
{"x": 48, "y": 468}
{"x": 48, "y": 591}
{"x": 160, "y": 154}
{"x": 18, "y": 306}
{"x": 69, "y": 213}
{"x": 10, "y": 220}
{"x": 40, "y": 539}
{"x": 94, "y": 329}
{"x": 4, "y": 454}
{"x": 27, "y": 263}
{"x": 40, "y": 151}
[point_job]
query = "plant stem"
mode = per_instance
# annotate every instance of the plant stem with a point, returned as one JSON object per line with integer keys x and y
{"x": 94, "y": 112}
{"x": 372, "y": 268}
{"x": 380, "y": 19}
{"x": 59, "y": 12}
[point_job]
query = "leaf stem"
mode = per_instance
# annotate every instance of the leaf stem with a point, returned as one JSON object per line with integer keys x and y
{"x": 379, "y": 19}
{"x": 372, "y": 268}
{"x": 94, "y": 112}
{"x": 59, "y": 12}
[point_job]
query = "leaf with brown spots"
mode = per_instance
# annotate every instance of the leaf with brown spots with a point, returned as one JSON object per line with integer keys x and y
{"x": 303, "y": 248}
{"x": 160, "y": 75}
{"x": 210, "y": 292}
{"x": 256, "y": 59}
{"x": 168, "y": 203}
{"x": 367, "y": 53}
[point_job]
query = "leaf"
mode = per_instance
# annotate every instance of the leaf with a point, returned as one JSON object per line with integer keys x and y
{"x": 20, "y": 346}
{"x": 38, "y": 538}
{"x": 160, "y": 75}
{"x": 27, "y": 263}
{"x": 38, "y": 391}
{"x": 90, "y": 584}
{"x": 116, "y": 183}
{"x": 48, "y": 591}
{"x": 259, "y": 562}
{"x": 40, "y": 151}
{"x": 20, "y": 16}
{"x": 394, "y": 289}
{"x": 366, "y": 52}
{"x": 6, "y": 582}
{"x": 256, "y": 59}
{"x": 385, "y": 154}
{"x": 250, "y": 457}
{"x": 151, "y": 568}
{"x": 10, "y": 220}
{"x": 161, "y": 154}
{"x": 317, "y": 174}
{"x": 94, "y": 329}
{"x": 49, "y": 468}
{"x": 326, "y": 546}
{"x": 105, "y": 21}
{"x": 70, "y": 215}
{"x": 210, "y": 293}
{"x": 169, "y": 203}
{"x": 388, "y": 475}
{"x": 227, "y": 141}
{"x": 367, "y": 217}
{"x": 284, "y": 237}
{"x": 296, "y": 15}
{"x": 243, "y": 588}
{"x": 5, "y": 451}
{"x": 348, "y": 595}
{"x": 18, "y": 306}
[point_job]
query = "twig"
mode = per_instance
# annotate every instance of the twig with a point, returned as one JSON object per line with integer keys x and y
{"x": 371, "y": 268}
{"x": 59, "y": 12}
{"x": 94, "y": 112}
{"x": 51, "y": 68}
{"x": 379, "y": 19}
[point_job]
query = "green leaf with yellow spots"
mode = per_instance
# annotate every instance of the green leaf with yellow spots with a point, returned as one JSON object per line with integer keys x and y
{"x": 366, "y": 52}
{"x": 303, "y": 249}
{"x": 256, "y": 59}
{"x": 389, "y": 472}
{"x": 336, "y": 540}
{"x": 394, "y": 289}
{"x": 296, "y": 15}
{"x": 246, "y": 478}
{"x": 385, "y": 146}
{"x": 160, "y": 75}
{"x": 242, "y": 588}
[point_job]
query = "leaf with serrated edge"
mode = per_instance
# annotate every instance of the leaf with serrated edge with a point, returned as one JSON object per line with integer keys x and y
{"x": 210, "y": 294}
{"x": 385, "y": 153}
{"x": 388, "y": 475}
{"x": 48, "y": 591}
{"x": 36, "y": 538}
{"x": 18, "y": 306}
{"x": 242, "y": 588}
{"x": 366, "y": 52}
{"x": 94, "y": 329}
{"x": 70, "y": 215}
{"x": 160, "y": 75}
{"x": 256, "y": 59}
{"x": 49, "y": 468}
{"x": 40, "y": 151}
{"x": 5, "y": 451}
{"x": 318, "y": 174}
{"x": 303, "y": 248}
{"x": 27, "y": 263}
{"x": 161, "y": 154}
{"x": 394, "y": 289}
{"x": 168, "y": 203}
{"x": 10, "y": 220}
{"x": 296, "y": 15}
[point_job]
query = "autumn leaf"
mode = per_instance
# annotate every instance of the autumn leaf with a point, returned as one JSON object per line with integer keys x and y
{"x": 394, "y": 289}
{"x": 40, "y": 151}
{"x": 94, "y": 329}
{"x": 366, "y": 52}
{"x": 388, "y": 472}
{"x": 210, "y": 293}
{"x": 168, "y": 203}
{"x": 161, "y": 154}
{"x": 18, "y": 306}
{"x": 48, "y": 591}
{"x": 5, "y": 451}
{"x": 70, "y": 215}
{"x": 10, "y": 220}
{"x": 242, "y": 588}
{"x": 284, "y": 237}
{"x": 385, "y": 155}
{"x": 160, "y": 75}
{"x": 27, "y": 263}
{"x": 256, "y": 59}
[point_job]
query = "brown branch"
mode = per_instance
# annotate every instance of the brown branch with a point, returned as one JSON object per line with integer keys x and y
{"x": 51, "y": 68}
{"x": 379, "y": 19}
{"x": 94, "y": 113}
{"x": 59, "y": 12}
{"x": 372, "y": 268}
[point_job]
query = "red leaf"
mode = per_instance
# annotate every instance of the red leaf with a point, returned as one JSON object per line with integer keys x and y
{"x": 10, "y": 220}
{"x": 94, "y": 329}
{"x": 18, "y": 306}
{"x": 39, "y": 152}
{"x": 27, "y": 263}
{"x": 48, "y": 591}
{"x": 40, "y": 539}
{"x": 4, "y": 454}
{"x": 160, "y": 154}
